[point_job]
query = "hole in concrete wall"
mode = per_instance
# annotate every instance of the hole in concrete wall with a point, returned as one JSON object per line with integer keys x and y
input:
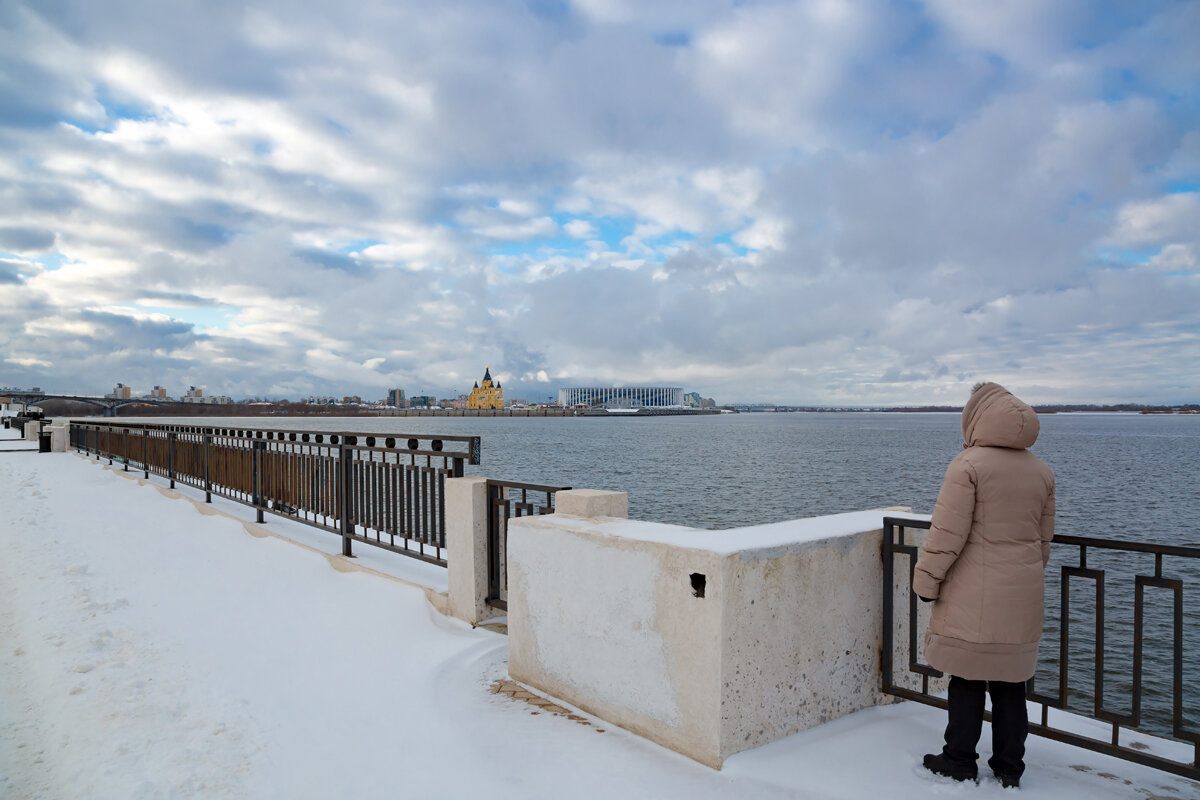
{"x": 697, "y": 584}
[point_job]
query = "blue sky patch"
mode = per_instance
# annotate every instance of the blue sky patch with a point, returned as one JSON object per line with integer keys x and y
{"x": 358, "y": 246}
{"x": 115, "y": 110}
{"x": 727, "y": 240}
{"x": 1122, "y": 255}
{"x": 202, "y": 319}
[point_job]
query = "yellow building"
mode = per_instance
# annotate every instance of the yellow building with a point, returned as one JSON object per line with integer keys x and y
{"x": 487, "y": 395}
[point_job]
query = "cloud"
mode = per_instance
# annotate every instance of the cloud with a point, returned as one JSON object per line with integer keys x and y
{"x": 1159, "y": 221}
{"x": 806, "y": 202}
{"x": 580, "y": 229}
{"x": 12, "y": 271}
{"x": 26, "y": 240}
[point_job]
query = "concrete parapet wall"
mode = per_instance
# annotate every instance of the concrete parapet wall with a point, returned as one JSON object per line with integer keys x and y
{"x": 707, "y": 642}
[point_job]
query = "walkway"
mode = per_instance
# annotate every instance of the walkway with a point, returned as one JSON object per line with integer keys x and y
{"x": 149, "y": 650}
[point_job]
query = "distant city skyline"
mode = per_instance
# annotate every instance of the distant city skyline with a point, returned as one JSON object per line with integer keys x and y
{"x": 815, "y": 203}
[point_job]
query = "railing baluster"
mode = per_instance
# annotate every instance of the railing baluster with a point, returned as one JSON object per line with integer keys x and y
{"x": 344, "y": 490}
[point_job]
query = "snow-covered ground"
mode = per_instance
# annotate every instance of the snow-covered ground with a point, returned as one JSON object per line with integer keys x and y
{"x": 152, "y": 647}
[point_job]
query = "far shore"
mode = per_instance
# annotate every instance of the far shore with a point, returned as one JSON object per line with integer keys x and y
{"x": 54, "y": 407}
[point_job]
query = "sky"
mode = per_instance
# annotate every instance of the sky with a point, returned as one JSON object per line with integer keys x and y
{"x": 827, "y": 203}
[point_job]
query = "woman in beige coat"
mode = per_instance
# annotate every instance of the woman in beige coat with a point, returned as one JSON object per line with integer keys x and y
{"x": 982, "y": 568}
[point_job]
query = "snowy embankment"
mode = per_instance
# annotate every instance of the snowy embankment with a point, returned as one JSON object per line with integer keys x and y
{"x": 151, "y": 647}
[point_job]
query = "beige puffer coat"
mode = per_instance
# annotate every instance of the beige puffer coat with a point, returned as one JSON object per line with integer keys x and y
{"x": 988, "y": 545}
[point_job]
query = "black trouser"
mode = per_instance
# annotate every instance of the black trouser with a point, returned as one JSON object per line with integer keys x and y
{"x": 1010, "y": 724}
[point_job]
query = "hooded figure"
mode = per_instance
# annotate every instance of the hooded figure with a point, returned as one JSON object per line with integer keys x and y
{"x": 982, "y": 565}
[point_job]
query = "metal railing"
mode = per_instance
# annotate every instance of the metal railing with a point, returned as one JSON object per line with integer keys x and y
{"x": 384, "y": 490}
{"x": 506, "y": 499}
{"x": 1175, "y": 728}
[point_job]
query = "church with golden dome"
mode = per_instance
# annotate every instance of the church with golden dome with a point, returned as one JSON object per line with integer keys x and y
{"x": 486, "y": 394}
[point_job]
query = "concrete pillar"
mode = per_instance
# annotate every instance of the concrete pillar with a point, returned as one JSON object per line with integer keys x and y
{"x": 60, "y": 437}
{"x": 32, "y": 429}
{"x": 466, "y": 549}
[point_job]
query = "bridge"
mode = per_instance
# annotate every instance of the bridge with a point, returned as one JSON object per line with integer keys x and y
{"x": 108, "y": 404}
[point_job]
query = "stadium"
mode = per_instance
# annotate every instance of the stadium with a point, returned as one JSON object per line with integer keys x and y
{"x": 621, "y": 396}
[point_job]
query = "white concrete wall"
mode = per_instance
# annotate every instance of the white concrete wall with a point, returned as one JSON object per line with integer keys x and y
{"x": 603, "y": 613}
{"x": 612, "y": 626}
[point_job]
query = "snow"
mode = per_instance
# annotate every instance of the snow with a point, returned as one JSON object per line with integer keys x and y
{"x": 792, "y": 534}
{"x": 148, "y": 650}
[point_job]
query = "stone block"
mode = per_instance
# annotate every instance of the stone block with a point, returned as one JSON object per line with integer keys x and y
{"x": 592, "y": 503}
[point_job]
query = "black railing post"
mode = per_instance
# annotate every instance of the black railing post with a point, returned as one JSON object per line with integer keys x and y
{"x": 344, "y": 487}
{"x": 256, "y": 448}
{"x": 205, "y": 444}
{"x": 885, "y": 656}
{"x": 125, "y": 447}
{"x": 110, "y": 447}
{"x": 495, "y": 499}
{"x": 145, "y": 452}
{"x": 171, "y": 458}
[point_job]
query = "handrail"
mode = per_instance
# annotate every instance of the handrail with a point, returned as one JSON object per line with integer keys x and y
{"x": 360, "y": 486}
{"x": 894, "y": 545}
{"x": 301, "y": 435}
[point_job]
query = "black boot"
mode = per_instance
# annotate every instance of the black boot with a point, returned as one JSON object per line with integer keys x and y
{"x": 1009, "y": 781}
{"x": 940, "y": 764}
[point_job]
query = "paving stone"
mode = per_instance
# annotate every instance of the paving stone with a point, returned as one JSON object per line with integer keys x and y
{"x": 517, "y": 692}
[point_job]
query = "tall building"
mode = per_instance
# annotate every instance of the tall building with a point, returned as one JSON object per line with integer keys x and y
{"x": 622, "y": 396}
{"x": 395, "y": 398}
{"x": 193, "y": 395}
{"x": 121, "y": 392}
{"x": 486, "y": 394}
